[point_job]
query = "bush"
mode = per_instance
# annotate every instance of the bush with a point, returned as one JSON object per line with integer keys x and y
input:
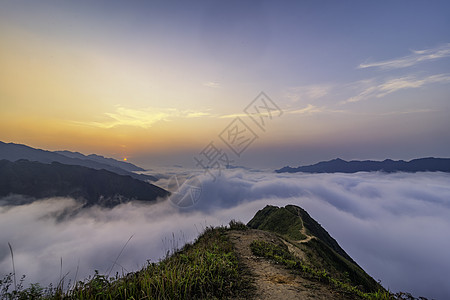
{"x": 237, "y": 225}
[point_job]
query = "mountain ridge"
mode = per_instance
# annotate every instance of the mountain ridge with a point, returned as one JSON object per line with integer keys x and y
{"x": 14, "y": 152}
{"x": 96, "y": 187}
{"x": 239, "y": 262}
{"x": 319, "y": 250}
{"x": 427, "y": 164}
{"x": 127, "y": 166}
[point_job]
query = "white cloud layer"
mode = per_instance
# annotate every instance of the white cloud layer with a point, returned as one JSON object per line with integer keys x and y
{"x": 394, "y": 225}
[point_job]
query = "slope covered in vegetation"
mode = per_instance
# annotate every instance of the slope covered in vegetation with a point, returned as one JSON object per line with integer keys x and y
{"x": 234, "y": 262}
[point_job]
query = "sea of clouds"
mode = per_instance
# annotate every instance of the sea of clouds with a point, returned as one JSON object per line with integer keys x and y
{"x": 395, "y": 226}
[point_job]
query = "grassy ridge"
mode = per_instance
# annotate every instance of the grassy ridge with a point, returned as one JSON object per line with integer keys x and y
{"x": 321, "y": 256}
{"x": 210, "y": 268}
{"x": 279, "y": 220}
{"x": 206, "y": 269}
{"x": 322, "y": 252}
{"x": 280, "y": 254}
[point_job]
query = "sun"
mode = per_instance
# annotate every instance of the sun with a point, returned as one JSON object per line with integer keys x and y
{"x": 125, "y": 159}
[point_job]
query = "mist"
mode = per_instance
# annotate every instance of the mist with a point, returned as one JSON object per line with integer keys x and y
{"x": 395, "y": 226}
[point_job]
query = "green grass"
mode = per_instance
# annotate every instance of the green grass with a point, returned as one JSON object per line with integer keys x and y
{"x": 321, "y": 256}
{"x": 281, "y": 254}
{"x": 237, "y": 225}
{"x": 322, "y": 253}
{"x": 206, "y": 269}
{"x": 278, "y": 220}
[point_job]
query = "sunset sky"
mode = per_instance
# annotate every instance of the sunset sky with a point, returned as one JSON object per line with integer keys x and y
{"x": 157, "y": 81}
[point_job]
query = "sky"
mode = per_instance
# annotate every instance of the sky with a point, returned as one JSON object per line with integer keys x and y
{"x": 157, "y": 81}
{"x": 395, "y": 226}
{"x": 269, "y": 84}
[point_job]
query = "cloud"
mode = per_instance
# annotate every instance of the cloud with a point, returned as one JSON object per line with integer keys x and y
{"x": 196, "y": 114}
{"x": 373, "y": 89}
{"x": 309, "y": 92}
{"x": 92, "y": 239}
{"x": 140, "y": 118}
{"x": 309, "y": 109}
{"x": 393, "y": 225}
{"x": 416, "y": 57}
{"x": 212, "y": 84}
{"x": 409, "y": 82}
{"x": 144, "y": 118}
{"x": 409, "y": 111}
{"x": 232, "y": 116}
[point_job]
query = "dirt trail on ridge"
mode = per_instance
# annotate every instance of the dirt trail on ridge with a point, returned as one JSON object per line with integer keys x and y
{"x": 303, "y": 231}
{"x": 273, "y": 281}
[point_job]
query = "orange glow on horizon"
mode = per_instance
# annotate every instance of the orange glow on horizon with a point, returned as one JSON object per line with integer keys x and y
{"x": 59, "y": 134}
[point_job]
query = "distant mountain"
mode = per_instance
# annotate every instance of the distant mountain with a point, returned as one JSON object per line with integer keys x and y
{"x": 13, "y": 152}
{"x": 102, "y": 187}
{"x": 101, "y": 159}
{"x": 338, "y": 165}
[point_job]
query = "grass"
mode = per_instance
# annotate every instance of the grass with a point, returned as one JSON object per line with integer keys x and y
{"x": 237, "y": 225}
{"x": 322, "y": 253}
{"x": 205, "y": 269}
{"x": 278, "y": 220}
{"x": 322, "y": 257}
{"x": 280, "y": 254}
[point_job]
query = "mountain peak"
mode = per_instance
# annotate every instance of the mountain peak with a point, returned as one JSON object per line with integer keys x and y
{"x": 312, "y": 242}
{"x": 337, "y": 160}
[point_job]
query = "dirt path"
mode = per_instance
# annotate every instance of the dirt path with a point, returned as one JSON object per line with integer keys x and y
{"x": 273, "y": 281}
{"x": 303, "y": 231}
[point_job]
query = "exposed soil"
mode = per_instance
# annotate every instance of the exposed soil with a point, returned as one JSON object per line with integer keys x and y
{"x": 303, "y": 231}
{"x": 273, "y": 281}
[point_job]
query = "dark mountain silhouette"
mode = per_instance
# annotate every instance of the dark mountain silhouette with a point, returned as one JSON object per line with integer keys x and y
{"x": 102, "y": 187}
{"x": 338, "y": 165}
{"x": 13, "y": 152}
{"x": 101, "y": 159}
